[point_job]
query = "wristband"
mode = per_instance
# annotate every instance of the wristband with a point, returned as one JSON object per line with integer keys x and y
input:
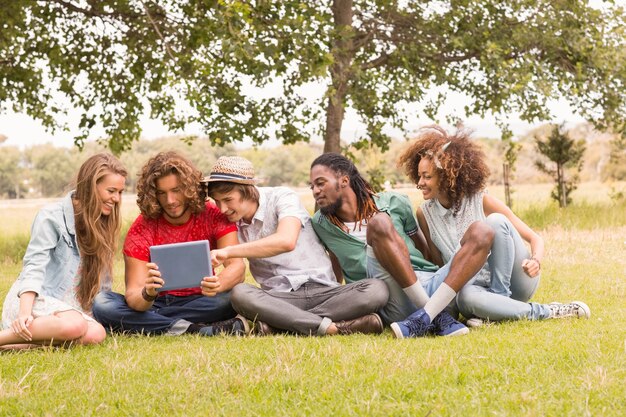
{"x": 149, "y": 298}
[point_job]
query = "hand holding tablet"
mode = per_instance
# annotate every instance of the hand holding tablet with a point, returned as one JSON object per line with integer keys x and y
{"x": 182, "y": 265}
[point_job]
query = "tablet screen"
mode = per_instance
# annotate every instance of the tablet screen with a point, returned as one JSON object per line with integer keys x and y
{"x": 182, "y": 265}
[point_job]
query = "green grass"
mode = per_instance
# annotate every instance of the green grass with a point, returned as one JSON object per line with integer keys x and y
{"x": 549, "y": 368}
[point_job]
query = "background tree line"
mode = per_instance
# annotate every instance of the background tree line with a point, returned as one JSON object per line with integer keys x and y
{"x": 46, "y": 171}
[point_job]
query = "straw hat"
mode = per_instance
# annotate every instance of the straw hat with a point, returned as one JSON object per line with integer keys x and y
{"x": 232, "y": 169}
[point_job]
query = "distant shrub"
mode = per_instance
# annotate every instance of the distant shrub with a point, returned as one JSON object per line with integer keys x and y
{"x": 617, "y": 196}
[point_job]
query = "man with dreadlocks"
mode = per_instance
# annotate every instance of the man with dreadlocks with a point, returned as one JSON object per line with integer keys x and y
{"x": 371, "y": 235}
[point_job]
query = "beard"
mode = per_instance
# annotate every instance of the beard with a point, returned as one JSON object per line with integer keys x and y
{"x": 332, "y": 208}
{"x": 173, "y": 216}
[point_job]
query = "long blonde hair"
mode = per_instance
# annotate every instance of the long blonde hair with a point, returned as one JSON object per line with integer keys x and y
{"x": 97, "y": 235}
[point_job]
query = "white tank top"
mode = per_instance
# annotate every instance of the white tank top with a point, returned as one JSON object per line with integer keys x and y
{"x": 446, "y": 230}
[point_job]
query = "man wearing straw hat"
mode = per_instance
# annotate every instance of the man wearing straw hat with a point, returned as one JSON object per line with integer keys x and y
{"x": 298, "y": 291}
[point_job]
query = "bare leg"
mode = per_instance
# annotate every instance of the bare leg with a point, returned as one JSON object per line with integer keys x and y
{"x": 95, "y": 334}
{"x": 390, "y": 249}
{"x": 57, "y": 328}
{"x": 470, "y": 258}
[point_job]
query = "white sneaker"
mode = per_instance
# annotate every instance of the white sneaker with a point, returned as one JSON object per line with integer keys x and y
{"x": 576, "y": 309}
{"x": 475, "y": 322}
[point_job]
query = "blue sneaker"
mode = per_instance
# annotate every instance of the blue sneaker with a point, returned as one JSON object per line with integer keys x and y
{"x": 445, "y": 325}
{"x": 416, "y": 325}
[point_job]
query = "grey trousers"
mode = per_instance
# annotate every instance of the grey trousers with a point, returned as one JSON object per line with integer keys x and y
{"x": 312, "y": 308}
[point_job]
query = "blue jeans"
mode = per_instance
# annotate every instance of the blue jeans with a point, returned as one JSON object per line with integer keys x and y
{"x": 399, "y": 306}
{"x": 506, "y": 295}
{"x": 169, "y": 314}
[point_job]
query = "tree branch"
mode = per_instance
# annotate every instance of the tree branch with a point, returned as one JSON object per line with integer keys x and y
{"x": 158, "y": 31}
{"x": 91, "y": 12}
{"x": 376, "y": 62}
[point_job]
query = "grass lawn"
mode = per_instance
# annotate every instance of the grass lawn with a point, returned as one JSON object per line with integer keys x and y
{"x": 548, "y": 368}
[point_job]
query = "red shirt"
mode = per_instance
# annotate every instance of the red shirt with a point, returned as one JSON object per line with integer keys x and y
{"x": 208, "y": 225}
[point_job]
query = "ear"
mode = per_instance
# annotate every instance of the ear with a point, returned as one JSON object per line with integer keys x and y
{"x": 344, "y": 181}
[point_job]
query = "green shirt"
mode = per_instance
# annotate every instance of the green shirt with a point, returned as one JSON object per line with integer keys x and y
{"x": 350, "y": 251}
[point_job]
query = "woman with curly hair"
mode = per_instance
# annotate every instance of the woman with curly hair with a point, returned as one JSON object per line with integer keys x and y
{"x": 451, "y": 172}
{"x": 68, "y": 261}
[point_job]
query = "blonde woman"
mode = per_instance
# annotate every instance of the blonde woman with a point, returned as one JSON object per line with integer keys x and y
{"x": 68, "y": 261}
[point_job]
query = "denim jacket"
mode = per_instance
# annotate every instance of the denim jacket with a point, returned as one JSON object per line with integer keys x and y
{"x": 52, "y": 258}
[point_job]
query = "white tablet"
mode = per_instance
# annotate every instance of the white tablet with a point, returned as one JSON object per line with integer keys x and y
{"x": 182, "y": 265}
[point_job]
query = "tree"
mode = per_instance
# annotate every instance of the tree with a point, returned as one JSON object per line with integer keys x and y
{"x": 283, "y": 165}
{"x": 11, "y": 181}
{"x": 565, "y": 153}
{"x": 616, "y": 167}
{"x": 52, "y": 169}
{"x": 512, "y": 149}
{"x": 243, "y": 65}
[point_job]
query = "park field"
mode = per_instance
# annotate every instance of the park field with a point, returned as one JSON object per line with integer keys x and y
{"x": 548, "y": 368}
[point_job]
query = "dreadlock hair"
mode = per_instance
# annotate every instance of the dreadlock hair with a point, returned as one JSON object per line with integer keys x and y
{"x": 366, "y": 207}
{"x": 460, "y": 162}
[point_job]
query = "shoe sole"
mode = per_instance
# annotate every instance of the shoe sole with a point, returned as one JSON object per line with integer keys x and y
{"x": 380, "y": 324}
{"x": 585, "y": 308}
{"x": 246, "y": 325}
{"x": 396, "y": 331}
{"x": 475, "y": 323}
{"x": 460, "y": 332}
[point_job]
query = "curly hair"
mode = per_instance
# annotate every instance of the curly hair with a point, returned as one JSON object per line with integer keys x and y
{"x": 96, "y": 234}
{"x": 164, "y": 164}
{"x": 460, "y": 163}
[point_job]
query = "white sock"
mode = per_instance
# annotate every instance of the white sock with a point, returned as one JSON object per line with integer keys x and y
{"x": 440, "y": 300}
{"x": 416, "y": 294}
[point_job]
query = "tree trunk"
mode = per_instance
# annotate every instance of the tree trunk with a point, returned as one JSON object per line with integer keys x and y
{"x": 561, "y": 185}
{"x": 340, "y": 72}
{"x": 506, "y": 173}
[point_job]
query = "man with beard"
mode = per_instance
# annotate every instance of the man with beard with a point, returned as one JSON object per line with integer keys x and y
{"x": 376, "y": 236}
{"x": 298, "y": 291}
{"x": 173, "y": 210}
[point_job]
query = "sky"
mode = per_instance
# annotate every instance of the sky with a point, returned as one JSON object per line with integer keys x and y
{"x": 23, "y": 131}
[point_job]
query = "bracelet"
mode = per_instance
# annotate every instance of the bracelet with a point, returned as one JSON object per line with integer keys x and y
{"x": 149, "y": 298}
{"x": 532, "y": 258}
